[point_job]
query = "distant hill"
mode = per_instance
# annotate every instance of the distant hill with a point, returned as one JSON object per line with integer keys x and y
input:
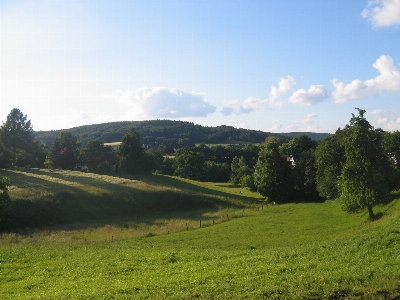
{"x": 171, "y": 133}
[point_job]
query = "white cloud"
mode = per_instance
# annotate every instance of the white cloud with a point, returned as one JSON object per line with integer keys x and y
{"x": 389, "y": 121}
{"x": 253, "y": 104}
{"x": 387, "y": 82}
{"x": 277, "y": 126}
{"x": 161, "y": 102}
{"x": 383, "y": 13}
{"x": 315, "y": 94}
{"x": 284, "y": 85}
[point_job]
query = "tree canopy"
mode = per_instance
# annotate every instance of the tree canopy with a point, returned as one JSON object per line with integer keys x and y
{"x": 271, "y": 175}
{"x": 16, "y": 136}
{"x": 367, "y": 170}
{"x": 131, "y": 154}
{"x": 64, "y": 152}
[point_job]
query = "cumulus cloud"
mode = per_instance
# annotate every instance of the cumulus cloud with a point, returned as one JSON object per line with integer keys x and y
{"x": 253, "y": 104}
{"x": 315, "y": 94}
{"x": 284, "y": 86}
{"x": 389, "y": 121}
{"x": 387, "y": 82}
{"x": 161, "y": 102}
{"x": 383, "y": 13}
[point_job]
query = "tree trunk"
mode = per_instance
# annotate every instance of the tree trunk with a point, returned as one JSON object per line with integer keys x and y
{"x": 370, "y": 212}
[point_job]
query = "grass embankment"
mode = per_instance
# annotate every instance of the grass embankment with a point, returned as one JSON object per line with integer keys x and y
{"x": 293, "y": 251}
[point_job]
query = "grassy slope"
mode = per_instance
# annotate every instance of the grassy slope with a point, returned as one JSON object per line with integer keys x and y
{"x": 48, "y": 198}
{"x": 294, "y": 251}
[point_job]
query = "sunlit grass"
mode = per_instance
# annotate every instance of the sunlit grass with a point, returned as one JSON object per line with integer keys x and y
{"x": 246, "y": 251}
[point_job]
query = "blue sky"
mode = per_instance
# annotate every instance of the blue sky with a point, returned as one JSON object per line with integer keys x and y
{"x": 277, "y": 66}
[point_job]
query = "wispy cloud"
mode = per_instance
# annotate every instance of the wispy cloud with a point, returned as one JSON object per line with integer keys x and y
{"x": 161, "y": 102}
{"x": 383, "y": 13}
{"x": 304, "y": 125}
{"x": 387, "y": 82}
{"x": 389, "y": 121}
{"x": 253, "y": 104}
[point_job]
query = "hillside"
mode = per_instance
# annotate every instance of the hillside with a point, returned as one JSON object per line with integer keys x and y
{"x": 157, "y": 250}
{"x": 170, "y": 133}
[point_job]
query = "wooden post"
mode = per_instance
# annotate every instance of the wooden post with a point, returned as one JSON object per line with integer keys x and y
{"x": 187, "y": 228}
{"x": 200, "y": 223}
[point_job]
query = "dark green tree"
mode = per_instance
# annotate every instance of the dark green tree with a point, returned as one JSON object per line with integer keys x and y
{"x": 64, "y": 152}
{"x": 92, "y": 155}
{"x": 297, "y": 145}
{"x": 17, "y": 140}
{"x": 131, "y": 154}
{"x": 391, "y": 143}
{"x": 271, "y": 175}
{"x": 239, "y": 168}
{"x": 303, "y": 176}
{"x": 189, "y": 164}
{"x": 5, "y": 200}
{"x": 329, "y": 158}
{"x": 167, "y": 166}
{"x": 216, "y": 172}
{"x": 367, "y": 170}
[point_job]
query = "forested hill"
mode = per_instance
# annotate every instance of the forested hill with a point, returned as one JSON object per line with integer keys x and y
{"x": 170, "y": 133}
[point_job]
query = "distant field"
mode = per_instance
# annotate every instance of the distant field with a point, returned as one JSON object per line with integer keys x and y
{"x": 244, "y": 249}
{"x": 227, "y": 143}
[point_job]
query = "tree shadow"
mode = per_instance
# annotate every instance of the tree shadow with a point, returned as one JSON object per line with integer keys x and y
{"x": 58, "y": 203}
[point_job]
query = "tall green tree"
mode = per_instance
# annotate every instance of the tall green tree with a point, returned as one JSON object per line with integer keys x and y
{"x": 131, "y": 158}
{"x": 329, "y": 158}
{"x": 271, "y": 175}
{"x": 239, "y": 168}
{"x": 189, "y": 164}
{"x": 92, "y": 155}
{"x": 367, "y": 170}
{"x": 64, "y": 152}
{"x": 17, "y": 140}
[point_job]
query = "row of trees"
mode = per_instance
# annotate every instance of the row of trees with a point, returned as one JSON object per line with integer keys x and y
{"x": 358, "y": 163}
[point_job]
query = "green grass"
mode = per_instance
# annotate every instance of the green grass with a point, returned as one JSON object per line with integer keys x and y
{"x": 49, "y": 198}
{"x": 292, "y": 251}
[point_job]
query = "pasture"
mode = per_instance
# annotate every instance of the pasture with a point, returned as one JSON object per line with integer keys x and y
{"x": 153, "y": 247}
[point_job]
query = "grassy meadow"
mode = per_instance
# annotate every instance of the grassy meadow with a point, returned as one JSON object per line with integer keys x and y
{"x": 103, "y": 237}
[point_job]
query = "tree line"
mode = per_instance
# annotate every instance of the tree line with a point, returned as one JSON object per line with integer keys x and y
{"x": 358, "y": 164}
{"x": 172, "y": 134}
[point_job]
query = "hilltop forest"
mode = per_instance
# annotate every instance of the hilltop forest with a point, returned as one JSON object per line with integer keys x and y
{"x": 176, "y": 134}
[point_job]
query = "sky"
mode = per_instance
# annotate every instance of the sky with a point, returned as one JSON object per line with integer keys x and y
{"x": 275, "y": 66}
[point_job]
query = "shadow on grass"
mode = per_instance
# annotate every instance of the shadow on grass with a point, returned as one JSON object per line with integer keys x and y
{"x": 39, "y": 202}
